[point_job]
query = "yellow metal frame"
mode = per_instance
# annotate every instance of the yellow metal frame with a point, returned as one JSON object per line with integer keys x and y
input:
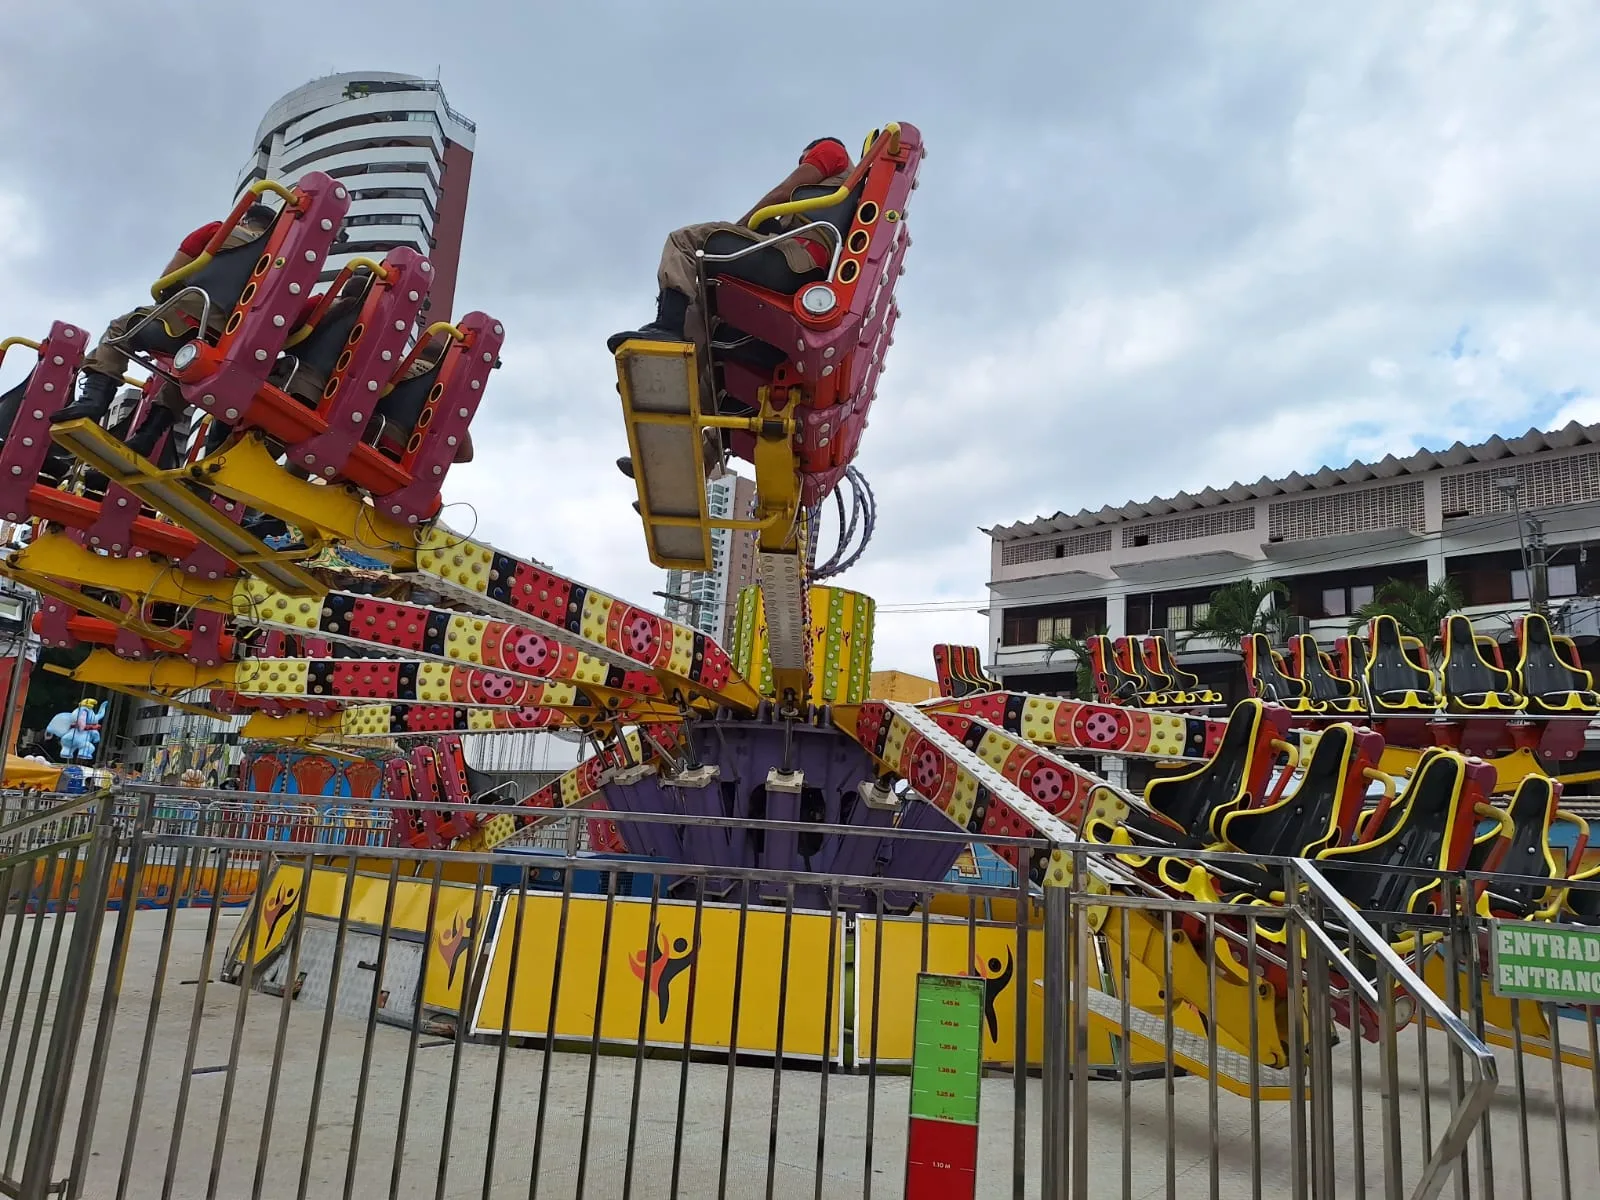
{"x": 170, "y": 493}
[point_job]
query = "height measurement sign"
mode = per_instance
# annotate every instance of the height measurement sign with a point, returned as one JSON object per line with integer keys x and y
{"x": 1559, "y": 964}
{"x": 946, "y": 1068}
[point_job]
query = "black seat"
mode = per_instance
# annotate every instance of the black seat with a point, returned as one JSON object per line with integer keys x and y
{"x": 1397, "y": 681}
{"x": 1550, "y": 683}
{"x": 1470, "y": 682}
{"x": 1267, "y": 678}
{"x": 402, "y": 407}
{"x": 1181, "y": 680}
{"x": 1322, "y": 685}
{"x": 769, "y": 268}
{"x": 222, "y": 279}
{"x": 1119, "y": 686}
{"x": 318, "y": 351}
{"x": 1532, "y": 809}
{"x": 1418, "y": 835}
{"x": 1195, "y": 800}
{"x": 1305, "y": 822}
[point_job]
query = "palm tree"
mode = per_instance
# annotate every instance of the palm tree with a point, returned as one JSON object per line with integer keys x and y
{"x": 1419, "y": 609}
{"x": 1061, "y": 643}
{"x": 1240, "y": 609}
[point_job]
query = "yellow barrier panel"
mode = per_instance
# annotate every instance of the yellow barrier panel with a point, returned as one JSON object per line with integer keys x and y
{"x": 656, "y": 965}
{"x": 449, "y": 940}
{"x": 994, "y": 958}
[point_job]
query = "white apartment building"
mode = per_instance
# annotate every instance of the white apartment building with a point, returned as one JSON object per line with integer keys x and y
{"x": 1470, "y": 513}
{"x": 705, "y": 600}
{"x": 405, "y": 154}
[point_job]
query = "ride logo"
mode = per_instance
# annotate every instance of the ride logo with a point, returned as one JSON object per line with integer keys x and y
{"x": 453, "y": 943}
{"x": 660, "y": 963}
{"x": 997, "y": 975}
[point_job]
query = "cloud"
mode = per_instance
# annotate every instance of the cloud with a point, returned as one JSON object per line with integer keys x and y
{"x": 1155, "y": 249}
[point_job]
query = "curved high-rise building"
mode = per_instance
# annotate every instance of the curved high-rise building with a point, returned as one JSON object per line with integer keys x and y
{"x": 404, "y": 153}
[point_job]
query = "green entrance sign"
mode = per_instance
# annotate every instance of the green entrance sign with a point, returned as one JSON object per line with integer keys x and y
{"x": 1559, "y": 964}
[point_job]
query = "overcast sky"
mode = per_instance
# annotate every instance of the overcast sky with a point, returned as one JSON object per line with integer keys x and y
{"x": 1156, "y": 247}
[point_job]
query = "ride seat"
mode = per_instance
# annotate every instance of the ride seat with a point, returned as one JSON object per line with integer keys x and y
{"x": 1334, "y": 692}
{"x": 1230, "y": 779}
{"x": 767, "y": 267}
{"x": 1158, "y": 655}
{"x": 1533, "y": 808}
{"x": 312, "y": 359}
{"x": 1545, "y": 678}
{"x": 222, "y": 279}
{"x": 1112, "y": 684}
{"x": 1269, "y": 678}
{"x": 1396, "y": 681}
{"x": 1319, "y": 814}
{"x": 1432, "y": 834}
{"x": 1469, "y": 681}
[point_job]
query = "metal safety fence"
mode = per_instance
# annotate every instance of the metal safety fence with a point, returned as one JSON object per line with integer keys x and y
{"x": 391, "y": 1022}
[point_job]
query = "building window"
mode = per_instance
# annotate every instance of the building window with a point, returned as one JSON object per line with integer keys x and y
{"x": 1562, "y": 581}
{"x": 1186, "y": 616}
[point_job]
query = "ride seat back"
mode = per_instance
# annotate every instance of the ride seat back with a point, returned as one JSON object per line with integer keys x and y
{"x": 1395, "y": 679}
{"x": 356, "y": 357}
{"x": 1232, "y": 777}
{"x": 1433, "y": 833}
{"x": 29, "y": 404}
{"x": 1322, "y": 684}
{"x": 224, "y": 381}
{"x": 1468, "y": 679}
{"x": 1321, "y": 812}
{"x": 1112, "y": 684}
{"x": 1532, "y": 809}
{"x": 1545, "y": 677}
{"x": 1159, "y": 655}
{"x": 1266, "y": 675}
{"x": 447, "y": 410}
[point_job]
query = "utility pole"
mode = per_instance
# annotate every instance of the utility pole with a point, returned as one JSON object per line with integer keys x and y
{"x": 1530, "y": 539}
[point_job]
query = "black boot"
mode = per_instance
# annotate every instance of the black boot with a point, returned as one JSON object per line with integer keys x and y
{"x": 216, "y": 433}
{"x": 671, "y": 309}
{"x": 625, "y": 465}
{"x": 156, "y": 422}
{"x": 95, "y": 394}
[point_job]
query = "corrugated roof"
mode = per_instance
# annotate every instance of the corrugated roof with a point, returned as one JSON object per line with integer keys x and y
{"x": 1388, "y": 467}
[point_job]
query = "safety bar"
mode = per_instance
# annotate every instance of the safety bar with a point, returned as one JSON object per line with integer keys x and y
{"x": 159, "y": 313}
{"x": 1478, "y": 1057}
{"x": 889, "y": 138}
{"x": 17, "y": 341}
{"x": 428, "y": 335}
{"x": 765, "y": 243}
{"x": 1374, "y": 819}
{"x": 251, "y": 194}
{"x": 1581, "y": 840}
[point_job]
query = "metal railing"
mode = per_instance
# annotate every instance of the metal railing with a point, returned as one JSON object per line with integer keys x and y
{"x": 556, "y": 1025}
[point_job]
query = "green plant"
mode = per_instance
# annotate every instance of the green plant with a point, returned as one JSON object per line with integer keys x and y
{"x": 1061, "y": 643}
{"x": 1419, "y": 609}
{"x": 1240, "y": 609}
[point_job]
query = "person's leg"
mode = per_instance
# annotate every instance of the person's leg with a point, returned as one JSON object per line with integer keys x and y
{"x": 678, "y": 318}
{"x": 163, "y": 414}
{"x": 101, "y": 373}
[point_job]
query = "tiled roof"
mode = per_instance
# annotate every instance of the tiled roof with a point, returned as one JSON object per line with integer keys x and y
{"x": 1389, "y": 467}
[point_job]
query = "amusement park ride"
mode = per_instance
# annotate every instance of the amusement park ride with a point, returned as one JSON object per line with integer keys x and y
{"x": 1358, "y": 757}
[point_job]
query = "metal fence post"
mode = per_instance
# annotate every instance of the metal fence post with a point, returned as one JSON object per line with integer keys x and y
{"x": 72, "y": 1006}
{"x": 132, "y": 883}
{"x": 1056, "y": 1032}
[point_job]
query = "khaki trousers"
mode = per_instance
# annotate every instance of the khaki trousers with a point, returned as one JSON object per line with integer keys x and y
{"x": 679, "y": 269}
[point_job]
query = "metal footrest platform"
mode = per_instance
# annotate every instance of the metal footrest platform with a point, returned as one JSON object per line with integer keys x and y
{"x": 660, "y": 387}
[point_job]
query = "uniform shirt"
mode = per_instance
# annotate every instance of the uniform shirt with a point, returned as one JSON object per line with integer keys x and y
{"x": 830, "y": 159}
{"x": 196, "y": 241}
